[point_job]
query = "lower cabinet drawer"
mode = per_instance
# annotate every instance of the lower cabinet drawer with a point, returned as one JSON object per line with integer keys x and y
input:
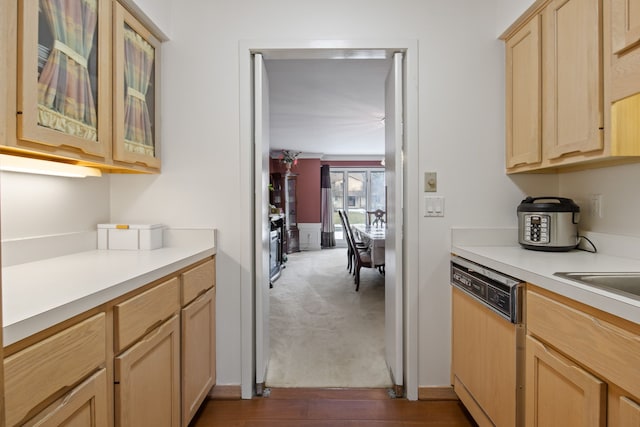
{"x": 197, "y": 280}
{"x": 138, "y": 315}
{"x": 85, "y": 405}
{"x": 50, "y": 367}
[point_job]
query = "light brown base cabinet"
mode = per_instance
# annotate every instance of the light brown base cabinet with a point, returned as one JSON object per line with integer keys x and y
{"x": 198, "y": 353}
{"x": 147, "y": 373}
{"x": 581, "y": 364}
{"x": 561, "y": 393}
{"x": 46, "y": 370}
{"x": 147, "y": 380}
{"x": 86, "y": 405}
{"x": 144, "y": 359}
{"x": 198, "y": 336}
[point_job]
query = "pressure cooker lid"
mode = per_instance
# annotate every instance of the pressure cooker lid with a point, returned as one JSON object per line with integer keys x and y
{"x": 548, "y": 204}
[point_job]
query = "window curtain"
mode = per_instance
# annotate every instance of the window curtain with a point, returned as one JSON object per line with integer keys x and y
{"x": 328, "y": 230}
{"x": 65, "y": 100}
{"x": 138, "y": 67}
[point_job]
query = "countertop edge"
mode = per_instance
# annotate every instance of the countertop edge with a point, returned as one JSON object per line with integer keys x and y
{"x": 188, "y": 247}
{"x": 608, "y": 302}
{"x": 34, "y": 324}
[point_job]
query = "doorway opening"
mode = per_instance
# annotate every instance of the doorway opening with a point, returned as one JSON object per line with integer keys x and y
{"x": 381, "y": 121}
{"x": 337, "y": 360}
{"x": 404, "y": 323}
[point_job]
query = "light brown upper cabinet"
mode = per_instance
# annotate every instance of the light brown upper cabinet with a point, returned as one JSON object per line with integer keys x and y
{"x": 136, "y": 55}
{"x": 87, "y": 79}
{"x": 625, "y": 48}
{"x": 64, "y": 79}
{"x": 559, "y": 86}
{"x": 572, "y": 77}
{"x": 524, "y": 89}
{"x": 625, "y": 16}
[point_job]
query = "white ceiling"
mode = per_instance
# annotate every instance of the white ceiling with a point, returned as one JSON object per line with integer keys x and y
{"x": 327, "y": 106}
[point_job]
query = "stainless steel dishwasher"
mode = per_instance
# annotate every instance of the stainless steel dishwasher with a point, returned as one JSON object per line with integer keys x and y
{"x": 488, "y": 335}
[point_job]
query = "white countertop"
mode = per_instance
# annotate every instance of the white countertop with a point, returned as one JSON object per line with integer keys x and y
{"x": 538, "y": 268}
{"x": 40, "y": 294}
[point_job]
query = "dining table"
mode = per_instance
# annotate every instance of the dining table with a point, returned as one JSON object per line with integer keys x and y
{"x": 375, "y": 237}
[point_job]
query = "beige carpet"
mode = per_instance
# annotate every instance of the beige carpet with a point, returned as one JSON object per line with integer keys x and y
{"x": 323, "y": 332}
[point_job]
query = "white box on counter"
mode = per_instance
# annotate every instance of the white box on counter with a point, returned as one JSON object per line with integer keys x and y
{"x": 130, "y": 236}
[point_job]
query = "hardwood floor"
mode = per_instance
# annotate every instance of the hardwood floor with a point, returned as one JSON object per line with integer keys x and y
{"x": 331, "y": 408}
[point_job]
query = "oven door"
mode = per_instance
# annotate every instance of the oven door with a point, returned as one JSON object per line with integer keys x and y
{"x": 274, "y": 262}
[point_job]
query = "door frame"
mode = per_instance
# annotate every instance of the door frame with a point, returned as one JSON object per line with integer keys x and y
{"x": 318, "y": 49}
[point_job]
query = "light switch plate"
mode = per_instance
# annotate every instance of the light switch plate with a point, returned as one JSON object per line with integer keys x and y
{"x": 433, "y": 206}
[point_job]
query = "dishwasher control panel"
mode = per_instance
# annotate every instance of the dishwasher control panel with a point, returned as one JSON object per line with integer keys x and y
{"x": 500, "y": 293}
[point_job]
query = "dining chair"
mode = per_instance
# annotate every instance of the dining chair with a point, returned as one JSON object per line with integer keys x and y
{"x": 355, "y": 243}
{"x": 376, "y": 218}
{"x": 362, "y": 258}
{"x": 346, "y": 237}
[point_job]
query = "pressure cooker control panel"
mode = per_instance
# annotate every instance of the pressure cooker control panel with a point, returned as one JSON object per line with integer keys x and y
{"x": 536, "y": 228}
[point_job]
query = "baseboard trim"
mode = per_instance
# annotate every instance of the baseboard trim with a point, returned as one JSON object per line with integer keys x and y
{"x": 309, "y": 236}
{"x": 226, "y": 392}
{"x": 436, "y": 393}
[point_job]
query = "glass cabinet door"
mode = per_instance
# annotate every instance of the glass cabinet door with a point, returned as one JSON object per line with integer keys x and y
{"x": 64, "y": 74}
{"x": 292, "y": 219}
{"x": 136, "y": 80}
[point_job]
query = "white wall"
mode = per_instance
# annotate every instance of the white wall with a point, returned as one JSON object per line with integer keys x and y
{"x": 620, "y": 198}
{"x": 461, "y": 138}
{"x": 507, "y": 11}
{"x": 36, "y": 205}
{"x": 461, "y": 97}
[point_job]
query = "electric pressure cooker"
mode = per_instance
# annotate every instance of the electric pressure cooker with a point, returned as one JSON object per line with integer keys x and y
{"x": 548, "y": 224}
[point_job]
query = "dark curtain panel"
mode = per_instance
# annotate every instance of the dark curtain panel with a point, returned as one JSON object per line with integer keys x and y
{"x": 326, "y": 214}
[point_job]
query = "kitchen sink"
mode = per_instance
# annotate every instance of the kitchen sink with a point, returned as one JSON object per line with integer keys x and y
{"x": 627, "y": 284}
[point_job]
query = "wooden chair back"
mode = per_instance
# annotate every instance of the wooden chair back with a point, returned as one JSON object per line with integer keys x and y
{"x": 376, "y": 218}
{"x": 347, "y": 229}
